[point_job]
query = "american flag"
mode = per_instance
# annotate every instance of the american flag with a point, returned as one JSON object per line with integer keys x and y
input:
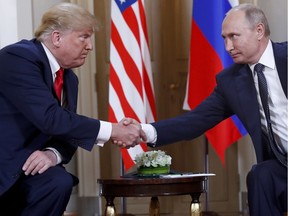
{"x": 131, "y": 92}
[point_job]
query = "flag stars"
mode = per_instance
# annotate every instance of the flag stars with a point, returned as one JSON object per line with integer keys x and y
{"x": 122, "y": 1}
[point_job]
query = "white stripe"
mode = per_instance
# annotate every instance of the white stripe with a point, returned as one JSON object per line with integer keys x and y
{"x": 134, "y": 151}
{"x": 147, "y": 64}
{"x": 131, "y": 93}
{"x": 139, "y": 53}
{"x": 144, "y": 45}
{"x": 233, "y": 2}
{"x": 127, "y": 36}
{"x": 115, "y": 103}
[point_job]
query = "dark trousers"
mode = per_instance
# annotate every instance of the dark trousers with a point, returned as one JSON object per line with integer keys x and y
{"x": 267, "y": 189}
{"x": 45, "y": 194}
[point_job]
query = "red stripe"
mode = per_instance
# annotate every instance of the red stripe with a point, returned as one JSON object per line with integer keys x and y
{"x": 132, "y": 72}
{"x": 149, "y": 92}
{"x": 202, "y": 70}
{"x": 115, "y": 82}
{"x": 222, "y": 136}
{"x": 131, "y": 21}
{"x": 143, "y": 21}
{"x": 128, "y": 162}
{"x": 129, "y": 65}
{"x": 111, "y": 115}
{"x": 201, "y": 84}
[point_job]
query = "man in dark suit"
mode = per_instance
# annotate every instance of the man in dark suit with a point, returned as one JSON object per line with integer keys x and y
{"x": 245, "y": 31}
{"x": 40, "y": 129}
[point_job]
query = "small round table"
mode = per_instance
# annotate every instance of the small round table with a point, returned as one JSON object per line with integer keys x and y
{"x": 152, "y": 187}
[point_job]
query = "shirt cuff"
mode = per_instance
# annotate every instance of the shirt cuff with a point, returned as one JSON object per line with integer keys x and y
{"x": 150, "y": 132}
{"x": 104, "y": 134}
{"x": 58, "y": 155}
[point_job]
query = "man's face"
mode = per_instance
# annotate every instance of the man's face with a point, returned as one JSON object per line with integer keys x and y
{"x": 74, "y": 47}
{"x": 241, "y": 40}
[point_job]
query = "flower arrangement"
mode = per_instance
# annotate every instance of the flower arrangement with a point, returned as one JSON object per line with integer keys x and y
{"x": 154, "y": 158}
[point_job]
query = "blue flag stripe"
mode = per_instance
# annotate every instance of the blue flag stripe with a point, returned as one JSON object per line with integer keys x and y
{"x": 124, "y": 4}
{"x": 209, "y": 21}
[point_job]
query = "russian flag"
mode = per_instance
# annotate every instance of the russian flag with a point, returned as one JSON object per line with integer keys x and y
{"x": 207, "y": 49}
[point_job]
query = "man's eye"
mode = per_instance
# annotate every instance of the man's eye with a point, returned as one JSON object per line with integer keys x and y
{"x": 83, "y": 37}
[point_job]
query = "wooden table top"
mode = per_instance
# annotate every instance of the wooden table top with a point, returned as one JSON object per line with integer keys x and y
{"x": 152, "y": 186}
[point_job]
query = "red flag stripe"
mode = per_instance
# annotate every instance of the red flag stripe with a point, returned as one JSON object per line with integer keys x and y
{"x": 125, "y": 85}
{"x": 131, "y": 90}
{"x": 129, "y": 64}
{"x": 150, "y": 94}
{"x": 206, "y": 60}
{"x": 143, "y": 21}
{"x": 131, "y": 20}
{"x": 127, "y": 109}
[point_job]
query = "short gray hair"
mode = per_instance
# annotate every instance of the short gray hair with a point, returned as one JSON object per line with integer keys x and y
{"x": 65, "y": 16}
{"x": 254, "y": 15}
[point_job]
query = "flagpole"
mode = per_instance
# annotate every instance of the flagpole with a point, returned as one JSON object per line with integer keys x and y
{"x": 123, "y": 199}
{"x": 206, "y": 168}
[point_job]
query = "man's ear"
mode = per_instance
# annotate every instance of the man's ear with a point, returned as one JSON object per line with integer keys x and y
{"x": 260, "y": 30}
{"x": 56, "y": 38}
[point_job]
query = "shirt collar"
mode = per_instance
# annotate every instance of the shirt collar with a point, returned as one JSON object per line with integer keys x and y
{"x": 267, "y": 58}
{"x": 52, "y": 60}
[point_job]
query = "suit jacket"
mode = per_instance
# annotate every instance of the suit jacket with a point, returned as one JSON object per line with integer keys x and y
{"x": 235, "y": 93}
{"x": 31, "y": 117}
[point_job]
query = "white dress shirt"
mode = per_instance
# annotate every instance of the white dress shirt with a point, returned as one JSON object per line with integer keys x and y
{"x": 105, "y": 127}
{"x": 278, "y": 103}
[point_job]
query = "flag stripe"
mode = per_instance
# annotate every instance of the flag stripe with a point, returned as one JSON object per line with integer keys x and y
{"x": 207, "y": 58}
{"x": 202, "y": 82}
{"x": 126, "y": 58}
{"x": 115, "y": 82}
{"x": 224, "y": 133}
{"x": 143, "y": 21}
{"x": 131, "y": 92}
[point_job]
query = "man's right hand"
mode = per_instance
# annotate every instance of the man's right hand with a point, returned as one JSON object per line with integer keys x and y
{"x": 127, "y": 133}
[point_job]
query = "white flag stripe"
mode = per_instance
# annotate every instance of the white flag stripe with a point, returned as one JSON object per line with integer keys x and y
{"x": 134, "y": 151}
{"x": 233, "y": 2}
{"x": 149, "y": 114}
{"x": 147, "y": 63}
{"x": 144, "y": 45}
{"x": 130, "y": 91}
{"x": 115, "y": 103}
{"x": 185, "y": 104}
{"x": 128, "y": 38}
{"x": 138, "y": 50}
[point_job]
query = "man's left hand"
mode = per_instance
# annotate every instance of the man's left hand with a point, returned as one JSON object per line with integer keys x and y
{"x": 39, "y": 162}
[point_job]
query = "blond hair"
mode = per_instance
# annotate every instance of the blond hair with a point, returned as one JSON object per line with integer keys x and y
{"x": 65, "y": 16}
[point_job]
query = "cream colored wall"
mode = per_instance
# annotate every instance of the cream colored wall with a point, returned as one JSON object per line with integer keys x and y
{"x": 19, "y": 20}
{"x": 20, "y": 17}
{"x": 19, "y": 26}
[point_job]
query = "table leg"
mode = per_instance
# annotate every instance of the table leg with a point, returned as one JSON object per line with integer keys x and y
{"x": 110, "y": 208}
{"x": 154, "y": 209}
{"x": 195, "y": 205}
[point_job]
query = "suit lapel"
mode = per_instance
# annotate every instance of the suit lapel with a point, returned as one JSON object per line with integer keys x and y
{"x": 281, "y": 66}
{"x": 247, "y": 95}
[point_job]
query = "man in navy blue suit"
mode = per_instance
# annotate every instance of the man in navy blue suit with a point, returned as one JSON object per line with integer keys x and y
{"x": 40, "y": 131}
{"x": 246, "y": 33}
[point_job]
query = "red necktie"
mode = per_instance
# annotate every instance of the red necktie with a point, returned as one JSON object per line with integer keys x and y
{"x": 58, "y": 84}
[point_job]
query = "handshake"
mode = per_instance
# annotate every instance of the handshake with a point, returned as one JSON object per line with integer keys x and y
{"x": 127, "y": 133}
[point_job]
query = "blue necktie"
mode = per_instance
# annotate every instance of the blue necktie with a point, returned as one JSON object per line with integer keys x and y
{"x": 263, "y": 90}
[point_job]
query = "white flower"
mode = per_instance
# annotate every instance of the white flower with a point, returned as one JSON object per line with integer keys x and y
{"x": 153, "y": 159}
